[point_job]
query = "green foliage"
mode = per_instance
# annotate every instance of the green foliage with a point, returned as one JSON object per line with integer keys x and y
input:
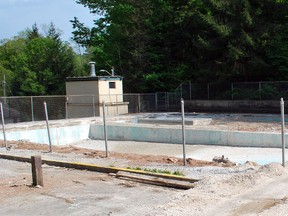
{"x": 157, "y": 44}
{"x": 153, "y": 82}
{"x": 277, "y": 54}
{"x": 245, "y": 94}
{"x": 38, "y": 65}
{"x": 34, "y": 32}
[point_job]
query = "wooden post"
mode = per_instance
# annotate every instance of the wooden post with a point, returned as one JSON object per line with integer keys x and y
{"x": 37, "y": 175}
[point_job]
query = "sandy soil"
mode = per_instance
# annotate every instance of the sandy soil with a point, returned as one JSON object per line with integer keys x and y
{"x": 74, "y": 192}
{"x": 224, "y": 189}
{"x": 244, "y": 190}
{"x": 259, "y": 192}
{"x": 131, "y": 159}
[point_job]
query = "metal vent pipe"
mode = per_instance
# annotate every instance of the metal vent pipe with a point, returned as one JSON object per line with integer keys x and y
{"x": 92, "y": 69}
{"x": 112, "y": 71}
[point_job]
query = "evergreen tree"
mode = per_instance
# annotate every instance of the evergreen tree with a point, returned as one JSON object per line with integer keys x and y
{"x": 158, "y": 44}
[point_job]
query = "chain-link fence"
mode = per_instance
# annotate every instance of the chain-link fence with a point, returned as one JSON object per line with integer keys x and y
{"x": 234, "y": 91}
{"x": 25, "y": 109}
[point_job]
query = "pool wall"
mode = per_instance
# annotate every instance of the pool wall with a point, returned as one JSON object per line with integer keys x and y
{"x": 59, "y": 135}
{"x": 165, "y": 134}
{"x": 146, "y": 133}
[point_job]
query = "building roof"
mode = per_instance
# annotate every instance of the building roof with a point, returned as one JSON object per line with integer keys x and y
{"x": 96, "y": 78}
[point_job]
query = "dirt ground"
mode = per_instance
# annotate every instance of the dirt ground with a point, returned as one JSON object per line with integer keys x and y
{"x": 132, "y": 159}
{"x": 73, "y": 192}
{"x": 224, "y": 189}
{"x": 248, "y": 189}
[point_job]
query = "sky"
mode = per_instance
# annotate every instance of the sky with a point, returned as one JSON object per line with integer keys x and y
{"x": 17, "y": 15}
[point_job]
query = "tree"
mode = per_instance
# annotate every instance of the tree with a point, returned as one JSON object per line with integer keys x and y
{"x": 158, "y": 44}
{"x": 12, "y": 61}
{"x": 33, "y": 32}
{"x": 234, "y": 36}
{"x": 39, "y": 64}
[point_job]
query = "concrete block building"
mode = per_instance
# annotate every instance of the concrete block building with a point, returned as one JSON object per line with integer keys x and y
{"x": 85, "y": 95}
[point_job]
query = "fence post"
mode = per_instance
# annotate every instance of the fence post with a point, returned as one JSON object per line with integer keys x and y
{"x": 32, "y": 109}
{"x": 66, "y": 107}
{"x": 190, "y": 90}
{"x": 260, "y": 91}
{"x": 139, "y": 104}
{"x": 183, "y": 131}
{"x": 4, "y": 88}
{"x": 105, "y": 128}
{"x": 156, "y": 101}
{"x": 3, "y": 125}
{"x": 232, "y": 91}
{"x": 47, "y": 124}
{"x": 117, "y": 107}
{"x": 283, "y": 132}
{"x": 168, "y": 102}
{"x": 208, "y": 91}
{"x": 93, "y": 105}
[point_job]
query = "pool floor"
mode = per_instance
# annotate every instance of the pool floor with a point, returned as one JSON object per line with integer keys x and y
{"x": 200, "y": 152}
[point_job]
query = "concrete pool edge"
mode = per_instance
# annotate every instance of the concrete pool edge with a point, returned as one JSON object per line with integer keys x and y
{"x": 158, "y": 133}
{"x": 169, "y": 134}
{"x": 59, "y": 135}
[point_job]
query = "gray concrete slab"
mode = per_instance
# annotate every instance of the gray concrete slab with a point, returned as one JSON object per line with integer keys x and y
{"x": 74, "y": 192}
{"x": 201, "y": 152}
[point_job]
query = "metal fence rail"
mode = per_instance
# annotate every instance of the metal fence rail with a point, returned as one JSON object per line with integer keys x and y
{"x": 234, "y": 91}
{"x": 25, "y": 109}
{"x": 29, "y": 109}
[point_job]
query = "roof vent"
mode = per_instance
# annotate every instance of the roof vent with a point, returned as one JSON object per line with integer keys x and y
{"x": 92, "y": 69}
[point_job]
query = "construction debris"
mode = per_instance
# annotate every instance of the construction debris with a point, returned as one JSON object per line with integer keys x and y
{"x": 152, "y": 178}
{"x": 222, "y": 159}
{"x": 172, "y": 160}
{"x": 160, "y": 181}
{"x": 252, "y": 163}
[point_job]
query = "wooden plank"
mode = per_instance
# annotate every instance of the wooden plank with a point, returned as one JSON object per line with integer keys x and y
{"x": 155, "y": 181}
{"x": 15, "y": 158}
{"x": 97, "y": 168}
